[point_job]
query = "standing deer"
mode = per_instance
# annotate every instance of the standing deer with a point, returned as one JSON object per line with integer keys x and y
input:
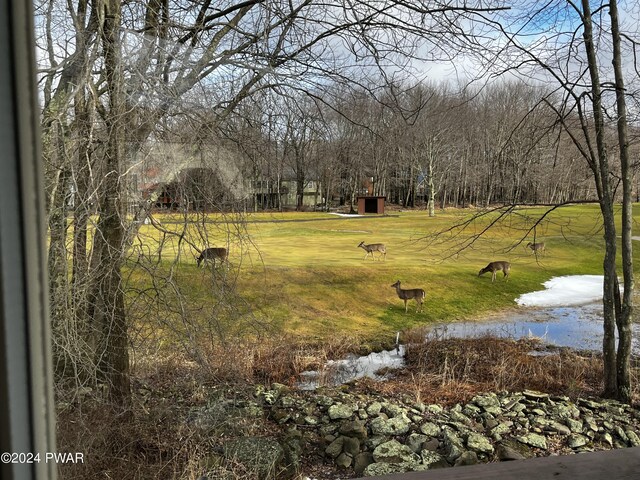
{"x": 413, "y": 293}
{"x": 374, "y": 247}
{"x": 495, "y": 267}
{"x": 213, "y": 253}
{"x": 536, "y": 247}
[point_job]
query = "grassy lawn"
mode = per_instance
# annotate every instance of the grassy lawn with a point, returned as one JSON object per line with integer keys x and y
{"x": 303, "y": 274}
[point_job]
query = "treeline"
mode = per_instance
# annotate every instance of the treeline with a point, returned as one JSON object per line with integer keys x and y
{"x": 426, "y": 145}
{"x": 300, "y": 92}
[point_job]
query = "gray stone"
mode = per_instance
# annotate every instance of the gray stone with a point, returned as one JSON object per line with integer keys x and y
{"x": 634, "y": 440}
{"x": 471, "y": 410}
{"x": 489, "y": 421}
{"x": 607, "y": 438}
{"x": 432, "y": 445}
{"x": 260, "y": 455}
{"x": 334, "y": 449}
{"x": 620, "y": 433}
{"x": 340, "y": 410}
{"x": 373, "y": 442}
{"x": 354, "y": 428}
{"x": 374, "y": 409}
{"x": 502, "y": 428}
{"x": 576, "y": 440}
{"x": 362, "y": 461}
{"x": 380, "y": 469}
{"x": 505, "y": 453}
{"x": 433, "y": 459}
{"x": 509, "y": 402}
{"x": 287, "y": 402}
{"x": 533, "y": 440}
{"x": 394, "y": 410}
{"x": 394, "y": 452}
{"x": 534, "y": 395}
{"x": 479, "y": 443}
{"x": 328, "y": 429}
{"x": 489, "y": 403}
{"x": 558, "y": 428}
{"x": 280, "y": 415}
{"x": 434, "y": 409}
{"x": 292, "y": 446}
{"x": 583, "y": 402}
{"x": 311, "y": 420}
{"x": 452, "y": 444}
{"x": 270, "y": 397}
{"x": 564, "y": 410}
{"x": 415, "y": 441}
{"x": 392, "y": 426}
{"x": 467, "y": 458}
{"x": 460, "y": 418}
{"x": 430, "y": 429}
{"x": 574, "y": 425}
{"x": 351, "y": 446}
{"x": 590, "y": 422}
{"x": 343, "y": 461}
{"x": 324, "y": 400}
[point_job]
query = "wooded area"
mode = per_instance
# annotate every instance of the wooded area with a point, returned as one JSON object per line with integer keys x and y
{"x": 339, "y": 95}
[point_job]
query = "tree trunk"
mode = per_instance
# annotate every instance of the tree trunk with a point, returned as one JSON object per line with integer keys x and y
{"x": 625, "y": 315}
{"x": 601, "y": 172}
{"x": 107, "y": 307}
{"x": 431, "y": 193}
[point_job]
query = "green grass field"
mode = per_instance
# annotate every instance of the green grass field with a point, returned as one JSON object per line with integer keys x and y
{"x": 303, "y": 274}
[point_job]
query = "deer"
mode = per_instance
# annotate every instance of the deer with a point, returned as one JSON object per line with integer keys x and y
{"x": 213, "y": 253}
{"x": 374, "y": 247}
{"x": 417, "y": 294}
{"x": 536, "y": 247}
{"x": 495, "y": 267}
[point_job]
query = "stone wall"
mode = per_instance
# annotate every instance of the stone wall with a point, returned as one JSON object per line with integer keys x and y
{"x": 369, "y": 436}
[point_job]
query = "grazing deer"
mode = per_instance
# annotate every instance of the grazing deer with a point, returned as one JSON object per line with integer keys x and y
{"x": 213, "y": 253}
{"x": 495, "y": 267}
{"x": 416, "y": 293}
{"x": 536, "y": 247}
{"x": 374, "y": 247}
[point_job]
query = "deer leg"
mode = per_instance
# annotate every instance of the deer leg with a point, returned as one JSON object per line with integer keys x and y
{"x": 493, "y": 277}
{"x": 405, "y": 305}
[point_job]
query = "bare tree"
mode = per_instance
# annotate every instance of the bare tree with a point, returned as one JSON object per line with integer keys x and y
{"x": 135, "y": 65}
{"x": 586, "y": 96}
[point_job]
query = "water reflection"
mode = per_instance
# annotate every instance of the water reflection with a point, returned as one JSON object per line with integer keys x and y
{"x": 578, "y": 327}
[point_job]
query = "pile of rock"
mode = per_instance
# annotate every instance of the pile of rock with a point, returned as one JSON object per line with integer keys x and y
{"x": 374, "y": 436}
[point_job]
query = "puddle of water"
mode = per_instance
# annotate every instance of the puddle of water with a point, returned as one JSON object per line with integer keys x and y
{"x": 337, "y": 372}
{"x": 578, "y": 326}
{"x": 575, "y": 327}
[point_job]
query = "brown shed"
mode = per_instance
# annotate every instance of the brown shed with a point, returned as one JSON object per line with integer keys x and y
{"x": 371, "y": 205}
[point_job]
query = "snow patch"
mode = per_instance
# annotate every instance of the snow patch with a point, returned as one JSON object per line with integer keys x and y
{"x": 345, "y": 214}
{"x": 569, "y": 290}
